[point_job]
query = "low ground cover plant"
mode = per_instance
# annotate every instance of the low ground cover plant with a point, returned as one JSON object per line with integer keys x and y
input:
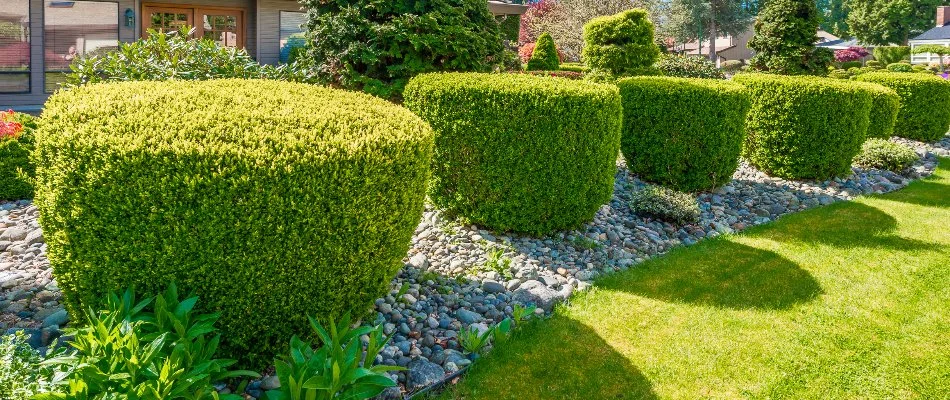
{"x": 518, "y": 152}
{"x": 665, "y": 204}
{"x": 885, "y": 154}
{"x": 804, "y": 127}
{"x": 620, "y": 44}
{"x": 16, "y": 146}
{"x": 683, "y": 133}
{"x": 281, "y": 207}
{"x": 924, "y": 103}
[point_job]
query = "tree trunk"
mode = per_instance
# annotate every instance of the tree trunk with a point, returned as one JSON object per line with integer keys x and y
{"x": 712, "y": 35}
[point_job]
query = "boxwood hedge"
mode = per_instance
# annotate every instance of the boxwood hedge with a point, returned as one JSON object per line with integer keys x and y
{"x": 924, "y": 103}
{"x": 271, "y": 200}
{"x": 885, "y": 103}
{"x": 804, "y": 127}
{"x": 519, "y": 152}
{"x": 683, "y": 133}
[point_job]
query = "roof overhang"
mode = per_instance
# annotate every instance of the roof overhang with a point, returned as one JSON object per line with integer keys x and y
{"x": 502, "y": 8}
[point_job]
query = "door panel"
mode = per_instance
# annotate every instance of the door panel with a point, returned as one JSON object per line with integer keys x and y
{"x": 222, "y": 25}
{"x": 166, "y": 19}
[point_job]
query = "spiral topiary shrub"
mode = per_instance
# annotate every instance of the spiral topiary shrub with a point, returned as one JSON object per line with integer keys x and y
{"x": 620, "y": 44}
{"x": 924, "y": 103}
{"x": 683, "y": 133}
{"x": 544, "y": 57}
{"x": 271, "y": 200}
{"x": 804, "y": 127}
{"x": 519, "y": 152}
{"x": 885, "y": 103}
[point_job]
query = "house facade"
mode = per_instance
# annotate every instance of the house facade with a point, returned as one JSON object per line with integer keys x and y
{"x": 939, "y": 35}
{"x": 39, "y": 38}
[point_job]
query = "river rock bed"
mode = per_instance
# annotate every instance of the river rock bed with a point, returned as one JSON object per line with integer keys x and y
{"x": 458, "y": 276}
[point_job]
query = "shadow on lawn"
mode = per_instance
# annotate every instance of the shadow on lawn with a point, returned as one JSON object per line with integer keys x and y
{"x": 928, "y": 193}
{"x": 722, "y": 273}
{"x": 557, "y": 358}
{"x": 848, "y": 225}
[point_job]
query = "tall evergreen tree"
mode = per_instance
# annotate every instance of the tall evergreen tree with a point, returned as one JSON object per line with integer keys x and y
{"x": 785, "y": 37}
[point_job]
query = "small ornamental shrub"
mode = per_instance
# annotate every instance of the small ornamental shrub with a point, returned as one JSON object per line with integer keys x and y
{"x": 665, "y": 204}
{"x": 900, "y": 67}
{"x": 887, "y": 55}
{"x": 924, "y": 103}
{"x": 849, "y": 64}
{"x": 885, "y": 104}
{"x": 839, "y": 74}
{"x": 518, "y": 152}
{"x": 873, "y": 64}
{"x": 620, "y": 44}
{"x": 732, "y": 66}
{"x": 885, "y": 154}
{"x": 270, "y": 200}
{"x": 159, "y": 348}
{"x": 683, "y": 133}
{"x": 16, "y": 146}
{"x": 851, "y": 54}
{"x": 377, "y": 45}
{"x": 544, "y": 57}
{"x": 804, "y": 127}
{"x": 688, "y": 67}
{"x": 21, "y": 375}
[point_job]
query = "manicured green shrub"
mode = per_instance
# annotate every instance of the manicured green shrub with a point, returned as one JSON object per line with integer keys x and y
{"x": 271, "y": 200}
{"x": 688, "y": 67}
{"x": 665, "y": 204}
{"x": 887, "y": 55}
{"x": 784, "y": 40}
{"x": 377, "y": 45}
{"x": 900, "y": 67}
{"x": 518, "y": 152}
{"x": 924, "y": 103}
{"x": 16, "y": 146}
{"x": 885, "y": 103}
{"x": 731, "y": 66}
{"x": 839, "y": 74}
{"x": 573, "y": 67}
{"x": 846, "y": 65}
{"x": 620, "y": 44}
{"x": 683, "y": 133}
{"x": 544, "y": 57}
{"x": 873, "y": 64}
{"x": 885, "y": 154}
{"x": 804, "y": 127}
{"x": 557, "y": 74}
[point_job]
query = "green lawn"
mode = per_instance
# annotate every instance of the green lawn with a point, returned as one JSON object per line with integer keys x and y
{"x": 848, "y": 301}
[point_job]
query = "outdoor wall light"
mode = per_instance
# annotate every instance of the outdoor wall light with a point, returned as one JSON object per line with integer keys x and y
{"x": 129, "y": 17}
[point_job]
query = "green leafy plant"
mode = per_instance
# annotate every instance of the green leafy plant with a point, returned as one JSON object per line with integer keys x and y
{"x": 522, "y": 313}
{"x": 784, "y": 40}
{"x": 495, "y": 260}
{"x": 16, "y": 147}
{"x": 198, "y": 204}
{"x": 473, "y": 341}
{"x": 796, "y": 129}
{"x": 886, "y": 55}
{"x": 875, "y": 64}
{"x": 684, "y": 66}
{"x": 666, "y": 204}
{"x": 900, "y": 67}
{"x": 544, "y": 57}
{"x": 620, "y": 44}
{"x": 127, "y": 351}
{"x": 884, "y": 154}
{"x": 339, "y": 368}
{"x": 684, "y": 133}
{"x": 378, "y": 45}
{"x": 585, "y": 242}
{"x": 732, "y": 66}
{"x": 502, "y": 161}
{"x": 924, "y": 103}
{"x": 21, "y": 373}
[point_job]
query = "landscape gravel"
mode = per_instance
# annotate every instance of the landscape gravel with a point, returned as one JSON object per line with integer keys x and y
{"x": 457, "y": 276}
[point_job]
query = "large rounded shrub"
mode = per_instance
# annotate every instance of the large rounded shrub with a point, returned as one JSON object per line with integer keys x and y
{"x": 683, "y": 133}
{"x": 885, "y": 103}
{"x": 804, "y": 127}
{"x": 620, "y": 44}
{"x": 924, "y": 103}
{"x": 519, "y": 152}
{"x": 271, "y": 200}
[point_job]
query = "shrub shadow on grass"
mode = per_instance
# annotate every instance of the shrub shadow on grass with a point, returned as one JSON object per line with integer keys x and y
{"x": 726, "y": 274}
{"x": 932, "y": 194}
{"x": 849, "y": 225}
{"x": 557, "y": 358}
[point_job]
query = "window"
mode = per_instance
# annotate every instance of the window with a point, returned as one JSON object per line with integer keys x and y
{"x": 15, "y": 46}
{"x": 76, "y": 28}
{"x": 291, "y": 33}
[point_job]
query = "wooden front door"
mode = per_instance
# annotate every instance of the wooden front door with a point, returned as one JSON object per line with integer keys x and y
{"x": 222, "y": 25}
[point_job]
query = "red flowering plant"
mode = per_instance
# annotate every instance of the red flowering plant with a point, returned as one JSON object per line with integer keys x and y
{"x": 9, "y": 127}
{"x": 853, "y": 53}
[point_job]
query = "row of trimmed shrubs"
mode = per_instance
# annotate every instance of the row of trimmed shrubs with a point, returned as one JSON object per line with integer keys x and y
{"x": 277, "y": 200}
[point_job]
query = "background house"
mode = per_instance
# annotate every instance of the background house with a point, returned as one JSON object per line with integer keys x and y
{"x": 939, "y": 35}
{"x": 735, "y": 47}
{"x": 39, "y": 38}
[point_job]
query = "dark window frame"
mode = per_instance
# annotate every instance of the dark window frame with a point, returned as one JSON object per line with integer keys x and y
{"x": 29, "y": 65}
{"x": 118, "y": 36}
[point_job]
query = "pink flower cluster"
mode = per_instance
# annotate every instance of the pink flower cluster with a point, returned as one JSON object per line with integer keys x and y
{"x": 853, "y": 53}
{"x": 9, "y": 128}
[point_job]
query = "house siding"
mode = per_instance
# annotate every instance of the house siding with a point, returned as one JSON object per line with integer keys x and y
{"x": 269, "y": 20}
